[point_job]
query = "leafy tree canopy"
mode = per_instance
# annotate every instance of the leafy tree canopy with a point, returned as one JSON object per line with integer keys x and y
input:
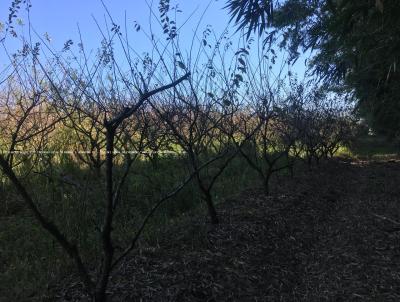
{"x": 356, "y": 46}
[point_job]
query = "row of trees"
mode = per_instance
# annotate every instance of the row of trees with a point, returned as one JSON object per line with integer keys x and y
{"x": 270, "y": 134}
{"x": 121, "y": 108}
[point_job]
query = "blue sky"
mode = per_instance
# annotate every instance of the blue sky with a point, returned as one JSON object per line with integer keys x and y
{"x": 59, "y": 19}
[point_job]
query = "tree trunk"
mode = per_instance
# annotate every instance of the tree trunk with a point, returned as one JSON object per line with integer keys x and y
{"x": 100, "y": 295}
{"x": 108, "y": 249}
{"x": 291, "y": 169}
{"x": 266, "y": 184}
{"x": 211, "y": 209}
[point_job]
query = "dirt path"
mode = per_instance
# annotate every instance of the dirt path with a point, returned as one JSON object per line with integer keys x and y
{"x": 322, "y": 236}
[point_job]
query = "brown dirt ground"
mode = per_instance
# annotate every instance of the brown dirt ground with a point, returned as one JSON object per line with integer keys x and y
{"x": 326, "y": 235}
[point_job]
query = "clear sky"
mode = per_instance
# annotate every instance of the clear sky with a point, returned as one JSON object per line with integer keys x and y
{"x": 59, "y": 20}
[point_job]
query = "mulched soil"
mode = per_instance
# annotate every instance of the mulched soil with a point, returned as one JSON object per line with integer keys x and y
{"x": 332, "y": 234}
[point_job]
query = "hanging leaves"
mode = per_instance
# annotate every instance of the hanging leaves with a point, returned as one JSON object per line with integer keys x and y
{"x": 136, "y": 26}
{"x": 251, "y": 15}
{"x": 67, "y": 45}
{"x": 180, "y": 65}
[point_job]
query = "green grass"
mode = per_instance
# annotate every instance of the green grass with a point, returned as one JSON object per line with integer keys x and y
{"x": 32, "y": 262}
{"x": 372, "y": 147}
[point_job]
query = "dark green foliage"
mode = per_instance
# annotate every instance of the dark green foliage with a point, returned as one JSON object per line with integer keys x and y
{"x": 254, "y": 15}
{"x": 373, "y": 146}
{"x": 356, "y": 46}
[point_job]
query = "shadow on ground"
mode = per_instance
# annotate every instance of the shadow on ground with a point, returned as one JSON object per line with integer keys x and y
{"x": 327, "y": 235}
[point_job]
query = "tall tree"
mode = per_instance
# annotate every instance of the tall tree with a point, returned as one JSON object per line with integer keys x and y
{"x": 355, "y": 45}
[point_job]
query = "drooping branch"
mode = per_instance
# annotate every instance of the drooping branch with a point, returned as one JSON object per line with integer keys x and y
{"x": 49, "y": 226}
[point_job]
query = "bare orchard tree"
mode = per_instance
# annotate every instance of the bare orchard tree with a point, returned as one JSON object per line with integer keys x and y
{"x": 262, "y": 149}
{"x": 325, "y": 124}
{"x": 26, "y": 118}
{"x": 338, "y": 128}
{"x": 86, "y": 135}
{"x": 321, "y": 119}
{"x": 194, "y": 124}
{"x": 97, "y": 98}
{"x": 288, "y": 117}
{"x": 198, "y": 113}
{"x": 263, "y": 139}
